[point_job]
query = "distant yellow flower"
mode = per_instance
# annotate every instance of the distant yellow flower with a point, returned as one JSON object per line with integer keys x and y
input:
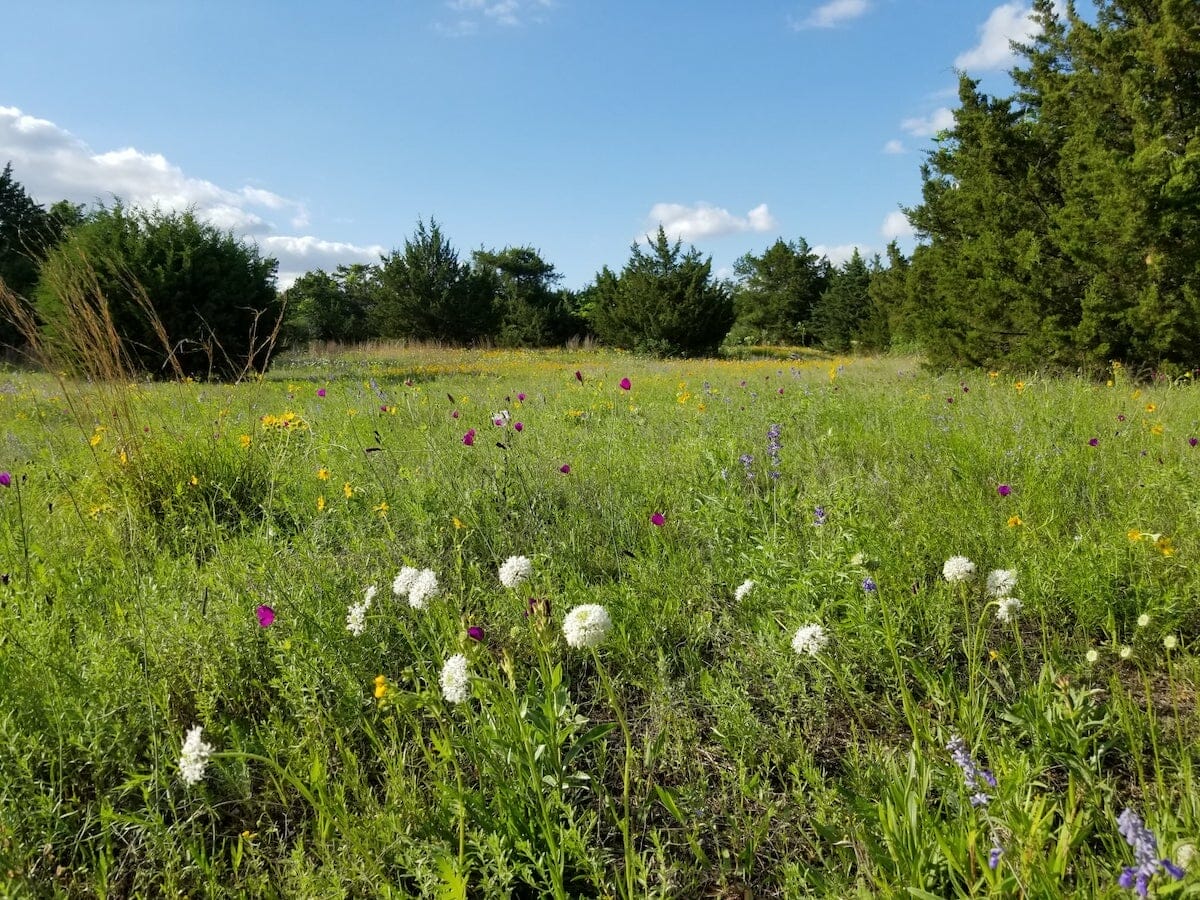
{"x": 382, "y": 508}
{"x": 123, "y": 458}
{"x": 323, "y": 474}
{"x": 347, "y": 490}
{"x": 1108, "y": 383}
{"x": 1020, "y": 386}
{"x": 193, "y": 481}
{"x": 244, "y": 440}
{"x": 993, "y": 655}
{"x": 1163, "y": 544}
{"x": 993, "y": 375}
{"x": 1134, "y": 535}
{"x": 381, "y": 687}
{"x": 700, "y": 407}
{"x": 1156, "y": 429}
{"x": 458, "y": 523}
{"x": 321, "y": 503}
{"x": 98, "y": 436}
{"x": 1137, "y": 393}
{"x": 1150, "y": 407}
{"x": 1014, "y": 521}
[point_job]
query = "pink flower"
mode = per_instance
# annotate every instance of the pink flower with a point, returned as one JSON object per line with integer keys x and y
{"x": 475, "y": 633}
{"x": 1003, "y": 490}
{"x": 5, "y": 479}
{"x": 565, "y": 469}
{"x": 266, "y": 616}
{"x": 1094, "y": 442}
{"x": 517, "y": 426}
{"x": 454, "y": 415}
{"x": 579, "y": 376}
{"x": 1192, "y": 442}
{"x": 626, "y": 384}
{"x": 320, "y": 392}
{"x": 469, "y": 437}
{"x": 658, "y": 519}
{"x": 521, "y": 397}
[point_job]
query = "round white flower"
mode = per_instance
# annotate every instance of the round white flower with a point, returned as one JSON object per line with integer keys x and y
{"x": 514, "y": 570}
{"x": 1170, "y": 642}
{"x": 1001, "y": 582}
{"x": 1092, "y": 655}
{"x": 1143, "y": 620}
{"x": 1007, "y": 608}
{"x": 194, "y": 758}
{"x": 810, "y": 639}
{"x": 586, "y": 626}
{"x": 743, "y": 590}
{"x": 424, "y": 587}
{"x": 1126, "y": 652}
{"x": 456, "y": 679}
{"x": 404, "y": 581}
{"x": 958, "y": 569}
{"x": 370, "y": 594}
{"x": 356, "y": 618}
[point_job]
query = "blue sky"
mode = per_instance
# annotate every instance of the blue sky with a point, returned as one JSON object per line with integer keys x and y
{"x": 323, "y": 130}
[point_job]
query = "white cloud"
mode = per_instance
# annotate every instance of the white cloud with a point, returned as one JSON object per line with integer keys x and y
{"x": 1008, "y": 22}
{"x": 832, "y": 14}
{"x": 940, "y": 119}
{"x": 841, "y": 253}
{"x": 894, "y": 146}
{"x": 468, "y": 15}
{"x": 52, "y": 164}
{"x": 896, "y": 227}
{"x": 703, "y": 220}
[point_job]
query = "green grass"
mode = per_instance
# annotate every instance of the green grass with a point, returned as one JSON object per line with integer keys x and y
{"x": 694, "y": 753}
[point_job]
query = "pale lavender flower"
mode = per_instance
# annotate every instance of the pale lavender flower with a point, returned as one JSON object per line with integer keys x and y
{"x": 1145, "y": 854}
{"x": 974, "y": 776}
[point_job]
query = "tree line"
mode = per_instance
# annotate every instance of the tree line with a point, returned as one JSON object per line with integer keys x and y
{"x": 1058, "y": 226}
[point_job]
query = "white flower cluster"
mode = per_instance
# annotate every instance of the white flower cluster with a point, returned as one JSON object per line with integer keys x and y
{"x": 743, "y": 590}
{"x": 586, "y": 626}
{"x": 515, "y": 570}
{"x": 418, "y": 585}
{"x": 194, "y": 758}
{"x": 809, "y": 639}
{"x": 456, "y": 679}
{"x": 1001, "y": 582}
{"x": 958, "y": 569}
{"x": 1007, "y": 608}
{"x": 356, "y": 615}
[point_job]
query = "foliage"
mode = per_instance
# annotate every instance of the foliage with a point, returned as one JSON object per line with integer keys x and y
{"x": 776, "y": 294}
{"x": 337, "y": 307}
{"x": 664, "y": 301}
{"x": 532, "y": 311}
{"x": 845, "y": 306}
{"x": 180, "y": 295}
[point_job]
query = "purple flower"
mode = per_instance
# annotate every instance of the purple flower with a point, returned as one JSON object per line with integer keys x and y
{"x": 1003, "y": 490}
{"x": 1145, "y": 854}
{"x": 1121, "y": 417}
{"x": 266, "y": 616}
{"x": 469, "y": 437}
{"x": 974, "y": 777}
{"x": 994, "y": 857}
{"x": 869, "y": 585}
{"x": 1192, "y": 442}
{"x": 658, "y": 519}
{"x": 521, "y": 397}
{"x": 747, "y": 462}
{"x": 626, "y": 384}
{"x": 1094, "y": 442}
{"x": 579, "y": 376}
{"x": 475, "y": 633}
{"x": 517, "y": 426}
{"x": 773, "y": 447}
{"x": 565, "y": 468}
{"x": 320, "y": 392}
{"x": 819, "y": 515}
{"x": 5, "y": 479}
{"x": 454, "y": 415}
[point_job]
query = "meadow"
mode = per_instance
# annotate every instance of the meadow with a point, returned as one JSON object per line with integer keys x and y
{"x": 405, "y": 622}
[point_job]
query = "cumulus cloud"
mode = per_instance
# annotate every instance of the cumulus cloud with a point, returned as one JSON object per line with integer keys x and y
{"x": 703, "y": 220}
{"x": 894, "y": 146}
{"x": 53, "y": 164}
{"x": 1006, "y": 23}
{"x": 840, "y": 253}
{"x": 927, "y": 126}
{"x": 832, "y": 14}
{"x": 896, "y": 227}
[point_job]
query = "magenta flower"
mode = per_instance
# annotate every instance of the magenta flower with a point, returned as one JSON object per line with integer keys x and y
{"x": 1094, "y": 442}
{"x": 521, "y": 397}
{"x": 1192, "y": 442}
{"x": 469, "y": 437}
{"x": 1003, "y": 490}
{"x": 565, "y": 469}
{"x": 5, "y": 479}
{"x": 320, "y": 392}
{"x": 579, "y": 376}
{"x": 475, "y": 633}
{"x": 658, "y": 519}
{"x": 517, "y": 426}
{"x": 454, "y": 415}
{"x": 626, "y": 384}
{"x": 266, "y": 616}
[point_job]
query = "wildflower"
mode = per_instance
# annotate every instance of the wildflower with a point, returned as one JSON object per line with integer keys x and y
{"x": 994, "y": 857}
{"x": 322, "y": 474}
{"x": 1015, "y": 522}
{"x": 320, "y": 392}
{"x": 658, "y": 519}
{"x": 321, "y": 503}
{"x": 520, "y": 398}
{"x": 194, "y": 758}
{"x": 1150, "y": 407}
{"x": 1134, "y": 535}
{"x": 1143, "y": 620}
{"x": 1170, "y": 642}
{"x": 356, "y": 615}
{"x": 869, "y": 585}
{"x": 1125, "y": 652}
{"x": 381, "y": 686}
{"x": 1092, "y": 655}
{"x": 1020, "y": 386}
{"x": 469, "y": 437}
{"x": 500, "y": 419}
{"x": 475, "y": 633}
{"x": 958, "y": 569}
{"x": 1003, "y": 490}
{"x": 424, "y": 587}
{"x": 1145, "y": 854}
{"x": 579, "y": 376}
{"x": 819, "y": 515}
{"x": 626, "y": 384}
{"x": 266, "y": 616}
{"x": 809, "y": 639}
{"x": 1094, "y": 442}
{"x": 458, "y": 523}
{"x": 5, "y": 479}
{"x": 194, "y": 481}
{"x": 456, "y": 679}
{"x": 743, "y": 590}
{"x": 244, "y": 440}
{"x": 565, "y": 469}
{"x": 403, "y": 582}
{"x": 1007, "y": 608}
{"x": 518, "y": 426}
{"x": 514, "y": 570}
{"x": 974, "y": 776}
{"x": 586, "y": 626}
{"x": 1163, "y": 544}
{"x": 747, "y": 462}
{"x": 1000, "y": 582}
{"x": 347, "y": 491}
{"x": 773, "y": 447}
{"x": 1192, "y": 442}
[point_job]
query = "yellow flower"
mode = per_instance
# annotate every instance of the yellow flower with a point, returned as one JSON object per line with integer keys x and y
{"x": 993, "y": 375}
{"x": 244, "y": 440}
{"x": 1137, "y": 393}
{"x": 98, "y": 436}
{"x": 1108, "y": 383}
{"x": 1020, "y": 386}
{"x": 1156, "y": 429}
{"x": 1164, "y": 546}
{"x": 993, "y": 655}
{"x": 1014, "y": 521}
{"x": 123, "y": 458}
{"x": 381, "y": 687}
{"x": 321, "y": 503}
{"x": 382, "y": 508}
{"x": 1134, "y": 535}
{"x": 323, "y": 474}
{"x": 1150, "y": 407}
{"x": 194, "y": 481}
{"x": 458, "y": 523}
{"x": 347, "y": 490}
{"x": 700, "y": 407}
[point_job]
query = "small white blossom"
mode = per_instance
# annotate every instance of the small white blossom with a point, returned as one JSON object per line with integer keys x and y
{"x": 194, "y": 758}
{"x": 1143, "y": 620}
{"x": 958, "y": 569}
{"x": 500, "y": 419}
{"x": 1170, "y": 642}
{"x": 1007, "y": 608}
{"x": 424, "y": 587}
{"x": 356, "y": 618}
{"x": 743, "y": 590}
{"x": 514, "y": 570}
{"x": 858, "y": 559}
{"x": 456, "y": 679}
{"x": 370, "y": 594}
{"x": 586, "y": 626}
{"x": 1001, "y": 582}
{"x": 1125, "y": 652}
{"x": 1092, "y": 655}
{"x": 809, "y": 639}
{"x": 404, "y": 581}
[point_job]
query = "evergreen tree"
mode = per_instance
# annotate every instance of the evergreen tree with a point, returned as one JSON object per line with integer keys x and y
{"x": 664, "y": 301}
{"x": 324, "y": 307}
{"x": 774, "y": 299}
{"x": 843, "y": 309}
{"x": 531, "y": 310}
